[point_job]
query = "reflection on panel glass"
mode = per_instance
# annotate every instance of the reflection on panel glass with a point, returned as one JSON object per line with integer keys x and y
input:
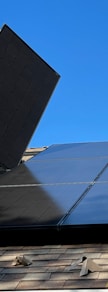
{"x": 93, "y": 209}
{"x": 65, "y": 170}
{"x": 55, "y": 192}
{"x": 104, "y": 175}
{"x": 37, "y": 205}
{"x": 75, "y": 150}
{"x": 55, "y": 171}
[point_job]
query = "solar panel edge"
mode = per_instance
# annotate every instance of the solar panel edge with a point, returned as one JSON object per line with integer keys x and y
{"x": 5, "y": 26}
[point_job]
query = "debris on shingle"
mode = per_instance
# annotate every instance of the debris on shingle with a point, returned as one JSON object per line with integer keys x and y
{"x": 86, "y": 265}
{"x": 77, "y": 263}
{"x": 89, "y": 266}
{"x": 22, "y": 260}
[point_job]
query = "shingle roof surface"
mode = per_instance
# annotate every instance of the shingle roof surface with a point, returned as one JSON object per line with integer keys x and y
{"x": 50, "y": 268}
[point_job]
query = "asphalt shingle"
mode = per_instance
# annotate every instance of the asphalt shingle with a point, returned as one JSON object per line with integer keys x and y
{"x": 50, "y": 268}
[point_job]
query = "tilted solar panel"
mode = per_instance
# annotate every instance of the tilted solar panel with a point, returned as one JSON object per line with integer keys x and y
{"x": 26, "y": 85}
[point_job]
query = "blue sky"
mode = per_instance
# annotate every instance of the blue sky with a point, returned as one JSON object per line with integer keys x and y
{"x": 72, "y": 37}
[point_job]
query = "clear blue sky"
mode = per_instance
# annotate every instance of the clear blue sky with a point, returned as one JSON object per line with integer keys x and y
{"x": 72, "y": 37}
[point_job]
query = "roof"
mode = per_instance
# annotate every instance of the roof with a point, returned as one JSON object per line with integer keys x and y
{"x": 30, "y": 152}
{"x": 50, "y": 267}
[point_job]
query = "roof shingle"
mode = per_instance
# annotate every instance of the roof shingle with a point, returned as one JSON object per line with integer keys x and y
{"x": 50, "y": 268}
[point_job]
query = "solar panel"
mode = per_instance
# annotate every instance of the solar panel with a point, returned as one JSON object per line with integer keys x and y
{"x": 92, "y": 210}
{"x": 66, "y": 170}
{"x": 29, "y": 199}
{"x": 60, "y": 192}
{"x": 26, "y": 85}
{"x": 76, "y": 150}
{"x": 35, "y": 205}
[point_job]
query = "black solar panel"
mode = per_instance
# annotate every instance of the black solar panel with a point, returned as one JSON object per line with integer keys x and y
{"x": 26, "y": 85}
{"x": 76, "y": 150}
{"x": 93, "y": 209}
{"x": 66, "y": 170}
{"x": 66, "y": 192}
